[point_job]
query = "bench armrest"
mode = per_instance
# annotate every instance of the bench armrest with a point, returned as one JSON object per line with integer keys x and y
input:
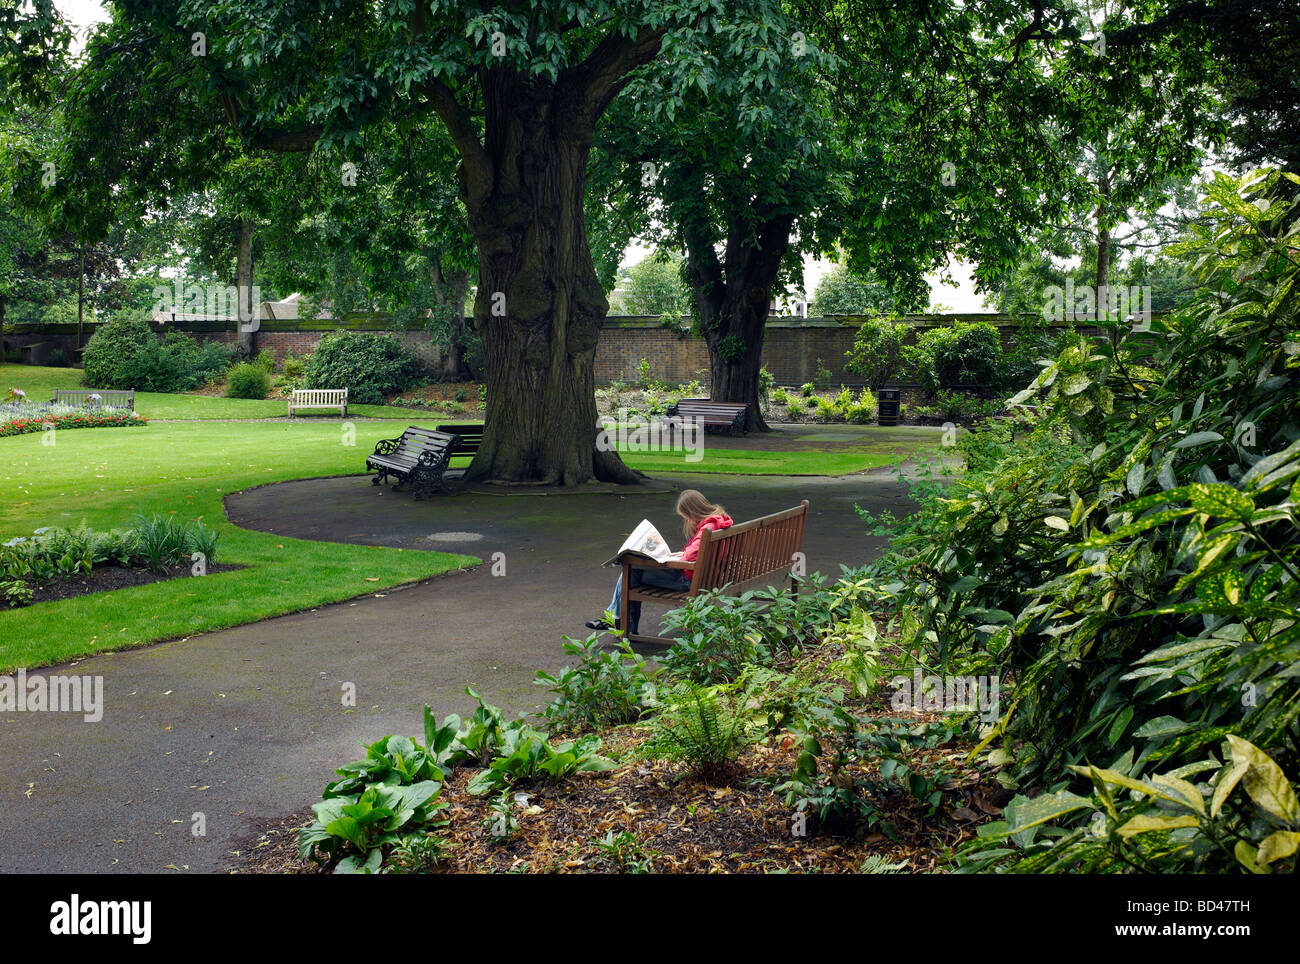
{"x": 386, "y": 446}
{"x": 642, "y": 562}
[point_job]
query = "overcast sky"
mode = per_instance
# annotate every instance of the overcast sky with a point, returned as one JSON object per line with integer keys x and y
{"x": 85, "y": 13}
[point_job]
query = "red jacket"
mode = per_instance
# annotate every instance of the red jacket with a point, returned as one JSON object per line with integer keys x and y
{"x": 692, "y": 550}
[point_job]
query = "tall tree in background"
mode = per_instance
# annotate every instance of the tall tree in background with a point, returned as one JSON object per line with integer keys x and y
{"x": 520, "y": 90}
{"x": 739, "y": 169}
{"x": 841, "y": 292}
{"x": 653, "y": 286}
{"x": 909, "y": 132}
{"x": 379, "y": 226}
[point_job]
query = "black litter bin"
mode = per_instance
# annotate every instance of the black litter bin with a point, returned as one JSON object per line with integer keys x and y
{"x": 887, "y": 412}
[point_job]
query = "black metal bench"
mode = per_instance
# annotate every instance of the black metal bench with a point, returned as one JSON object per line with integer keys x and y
{"x": 727, "y": 416}
{"x": 419, "y": 456}
{"x": 468, "y": 438}
{"x": 95, "y": 397}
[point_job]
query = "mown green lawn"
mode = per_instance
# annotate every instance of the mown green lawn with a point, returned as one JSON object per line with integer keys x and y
{"x": 39, "y": 384}
{"x": 106, "y": 475}
{"x": 809, "y": 461}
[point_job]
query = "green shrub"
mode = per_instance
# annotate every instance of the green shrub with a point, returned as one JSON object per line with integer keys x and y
{"x": 705, "y": 727}
{"x": 877, "y": 353}
{"x": 124, "y": 335}
{"x": 718, "y": 635}
{"x": 266, "y": 360}
{"x": 248, "y": 380}
{"x": 606, "y": 688}
{"x": 1243, "y": 816}
{"x": 1127, "y": 565}
{"x": 370, "y": 367}
{"x": 124, "y": 353}
{"x": 960, "y": 354}
{"x": 162, "y": 540}
{"x": 388, "y": 800}
{"x": 864, "y": 409}
{"x": 293, "y": 367}
{"x": 807, "y": 389}
{"x": 826, "y": 410}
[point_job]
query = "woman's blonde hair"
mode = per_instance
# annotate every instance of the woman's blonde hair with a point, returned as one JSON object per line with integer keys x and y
{"x": 694, "y": 508}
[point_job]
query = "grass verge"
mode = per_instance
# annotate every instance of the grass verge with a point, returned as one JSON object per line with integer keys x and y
{"x": 39, "y": 384}
{"x": 106, "y": 477}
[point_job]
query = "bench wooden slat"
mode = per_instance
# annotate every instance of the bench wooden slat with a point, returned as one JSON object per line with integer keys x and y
{"x": 727, "y": 415}
{"x": 745, "y": 556}
{"x": 86, "y": 397}
{"x": 468, "y": 438}
{"x": 319, "y": 398}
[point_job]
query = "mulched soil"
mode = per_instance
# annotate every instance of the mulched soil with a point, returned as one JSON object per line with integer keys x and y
{"x": 446, "y": 392}
{"x": 105, "y": 578}
{"x": 681, "y": 824}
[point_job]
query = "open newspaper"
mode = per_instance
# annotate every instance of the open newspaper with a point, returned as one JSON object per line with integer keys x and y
{"x": 645, "y": 540}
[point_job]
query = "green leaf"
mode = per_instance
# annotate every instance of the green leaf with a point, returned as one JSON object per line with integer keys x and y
{"x": 1246, "y": 855}
{"x": 1221, "y": 500}
{"x": 1189, "y": 793}
{"x": 1265, "y": 781}
{"x": 1277, "y": 845}
{"x": 1135, "y": 478}
{"x": 1161, "y": 726}
{"x": 1122, "y": 780}
{"x": 1030, "y": 812}
{"x": 1144, "y": 823}
{"x": 1117, "y": 727}
{"x": 1197, "y": 438}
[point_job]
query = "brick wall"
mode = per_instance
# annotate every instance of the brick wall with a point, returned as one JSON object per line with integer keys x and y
{"x": 793, "y": 348}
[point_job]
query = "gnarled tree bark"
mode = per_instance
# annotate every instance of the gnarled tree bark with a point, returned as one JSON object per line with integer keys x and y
{"x": 733, "y": 295}
{"x": 540, "y": 304}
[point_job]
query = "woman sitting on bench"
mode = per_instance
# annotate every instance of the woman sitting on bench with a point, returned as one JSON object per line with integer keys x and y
{"x": 698, "y": 514}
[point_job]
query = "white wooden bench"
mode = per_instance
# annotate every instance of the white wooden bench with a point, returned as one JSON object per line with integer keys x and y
{"x": 319, "y": 398}
{"x": 95, "y": 397}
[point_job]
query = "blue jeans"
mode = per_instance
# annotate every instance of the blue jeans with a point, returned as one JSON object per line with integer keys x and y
{"x": 674, "y": 579}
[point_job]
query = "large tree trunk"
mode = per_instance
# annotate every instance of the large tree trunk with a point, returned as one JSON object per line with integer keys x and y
{"x": 1102, "y": 277}
{"x": 733, "y": 372}
{"x": 733, "y": 296}
{"x": 81, "y": 296}
{"x": 540, "y": 304}
{"x": 450, "y": 289}
{"x": 248, "y": 309}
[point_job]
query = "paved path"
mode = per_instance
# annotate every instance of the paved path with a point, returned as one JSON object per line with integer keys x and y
{"x": 245, "y": 725}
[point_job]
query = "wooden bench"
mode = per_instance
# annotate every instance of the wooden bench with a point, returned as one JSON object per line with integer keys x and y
{"x": 727, "y": 416}
{"x": 468, "y": 438}
{"x": 95, "y": 397}
{"x": 418, "y": 456}
{"x": 749, "y": 555}
{"x": 319, "y": 398}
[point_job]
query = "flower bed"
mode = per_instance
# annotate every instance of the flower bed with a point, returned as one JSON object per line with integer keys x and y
{"x": 16, "y": 420}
